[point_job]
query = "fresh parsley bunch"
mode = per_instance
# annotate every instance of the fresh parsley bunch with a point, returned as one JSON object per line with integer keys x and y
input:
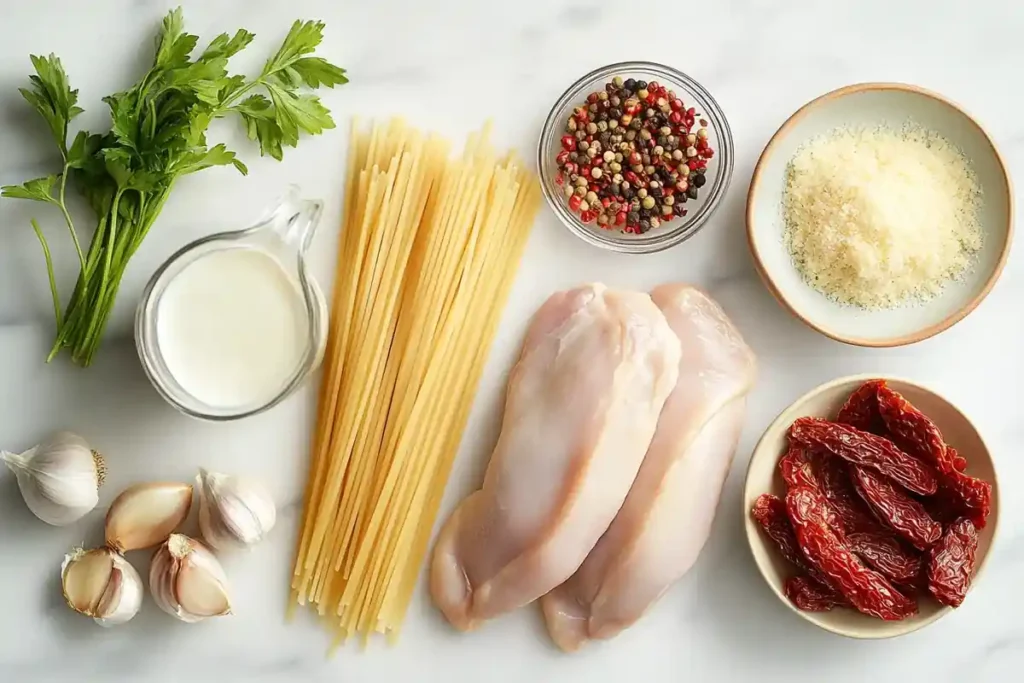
{"x": 157, "y": 135}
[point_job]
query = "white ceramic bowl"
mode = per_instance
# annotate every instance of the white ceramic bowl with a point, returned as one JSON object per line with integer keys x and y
{"x": 871, "y": 104}
{"x": 762, "y": 477}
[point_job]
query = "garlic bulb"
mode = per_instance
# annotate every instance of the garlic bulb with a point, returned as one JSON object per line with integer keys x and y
{"x": 144, "y": 515}
{"x": 102, "y": 585}
{"x": 59, "y": 479}
{"x": 187, "y": 581}
{"x": 233, "y": 512}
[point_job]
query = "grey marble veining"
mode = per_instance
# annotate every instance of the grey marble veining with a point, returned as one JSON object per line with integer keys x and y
{"x": 449, "y": 65}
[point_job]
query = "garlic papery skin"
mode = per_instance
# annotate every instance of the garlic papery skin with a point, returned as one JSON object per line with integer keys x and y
{"x": 59, "y": 479}
{"x": 187, "y": 581}
{"x": 144, "y": 515}
{"x": 101, "y": 584}
{"x": 234, "y": 512}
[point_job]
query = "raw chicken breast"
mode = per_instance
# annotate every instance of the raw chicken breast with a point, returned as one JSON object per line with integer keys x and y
{"x": 581, "y": 408}
{"x": 662, "y": 526}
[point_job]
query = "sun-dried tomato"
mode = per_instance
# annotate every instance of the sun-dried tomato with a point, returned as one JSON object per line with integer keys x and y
{"x": 951, "y": 563}
{"x": 811, "y": 596}
{"x": 866, "y": 450}
{"x": 852, "y": 512}
{"x": 961, "y": 495}
{"x": 913, "y": 431}
{"x": 861, "y": 409}
{"x": 904, "y": 515}
{"x": 959, "y": 461}
{"x": 797, "y": 467}
{"x": 770, "y": 512}
{"x": 887, "y": 555}
{"x": 866, "y": 589}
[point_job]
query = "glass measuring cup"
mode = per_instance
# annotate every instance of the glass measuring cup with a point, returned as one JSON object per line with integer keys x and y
{"x": 283, "y": 236}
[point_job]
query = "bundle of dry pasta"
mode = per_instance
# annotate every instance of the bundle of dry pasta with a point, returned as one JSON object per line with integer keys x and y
{"x": 428, "y": 253}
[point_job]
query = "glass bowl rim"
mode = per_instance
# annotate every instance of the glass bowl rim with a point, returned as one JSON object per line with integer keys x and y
{"x": 611, "y": 240}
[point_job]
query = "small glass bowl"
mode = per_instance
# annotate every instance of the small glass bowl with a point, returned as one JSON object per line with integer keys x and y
{"x": 719, "y": 170}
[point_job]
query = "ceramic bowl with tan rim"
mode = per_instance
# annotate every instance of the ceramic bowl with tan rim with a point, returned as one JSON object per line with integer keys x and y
{"x": 763, "y": 477}
{"x": 869, "y": 105}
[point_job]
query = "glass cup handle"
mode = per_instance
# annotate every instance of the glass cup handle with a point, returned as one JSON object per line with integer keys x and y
{"x": 295, "y": 220}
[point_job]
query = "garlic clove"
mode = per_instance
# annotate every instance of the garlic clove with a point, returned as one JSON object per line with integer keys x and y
{"x": 201, "y": 593}
{"x": 187, "y": 581}
{"x": 59, "y": 479}
{"x": 234, "y": 512}
{"x": 85, "y": 578}
{"x": 101, "y": 584}
{"x": 144, "y": 515}
{"x": 123, "y": 598}
{"x": 112, "y": 593}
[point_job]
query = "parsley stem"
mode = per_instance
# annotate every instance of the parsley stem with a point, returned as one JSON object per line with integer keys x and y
{"x": 49, "y": 271}
{"x": 67, "y": 218}
{"x": 96, "y": 321}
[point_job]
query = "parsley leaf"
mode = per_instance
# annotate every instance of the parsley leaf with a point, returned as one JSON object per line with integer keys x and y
{"x": 225, "y": 47}
{"x": 52, "y": 97}
{"x": 173, "y": 45}
{"x": 302, "y": 39}
{"x": 201, "y": 158}
{"x": 39, "y": 190}
{"x": 279, "y": 119}
{"x": 317, "y": 71}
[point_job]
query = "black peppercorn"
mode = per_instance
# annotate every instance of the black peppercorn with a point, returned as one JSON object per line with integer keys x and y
{"x": 574, "y": 157}
{"x": 663, "y": 140}
{"x": 639, "y": 85}
{"x": 645, "y": 225}
{"x": 633, "y": 217}
{"x": 635, "y": 124}
{"x": 615, "y": 113}
{"x": 628, "y": 192}
{"x": 691, "y": 191}
{"x": 657, "y": 192}
{"x": 630, "y": 84}
{"x": 645, "y": 213}
{"x": 699, "y": 180}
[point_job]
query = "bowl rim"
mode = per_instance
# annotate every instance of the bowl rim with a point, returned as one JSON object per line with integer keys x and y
{"x": 717, "y": 191}
{"x": 752, "y": 530}
{"x": 927, "y": 332}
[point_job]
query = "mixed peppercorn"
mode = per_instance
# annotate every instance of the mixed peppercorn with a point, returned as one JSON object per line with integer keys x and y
{"x": 632, "y": 156}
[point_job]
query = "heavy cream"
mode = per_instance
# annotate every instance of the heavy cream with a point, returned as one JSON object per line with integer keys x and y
{"x": 232, "y": 328}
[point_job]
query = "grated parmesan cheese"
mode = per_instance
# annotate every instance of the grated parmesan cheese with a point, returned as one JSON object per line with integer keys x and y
{"x": 879, "y": 217}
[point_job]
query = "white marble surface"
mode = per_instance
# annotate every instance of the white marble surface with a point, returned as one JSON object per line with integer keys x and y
{"x": 449, "y": 65}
